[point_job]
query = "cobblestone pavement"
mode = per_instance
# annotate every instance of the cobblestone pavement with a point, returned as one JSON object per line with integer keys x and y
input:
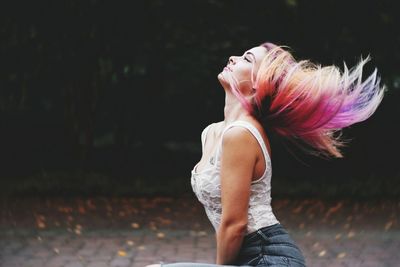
{"x": 97, "y": 232}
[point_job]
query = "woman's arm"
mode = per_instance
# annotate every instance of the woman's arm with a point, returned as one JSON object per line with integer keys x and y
{"x": 237, "y": 163}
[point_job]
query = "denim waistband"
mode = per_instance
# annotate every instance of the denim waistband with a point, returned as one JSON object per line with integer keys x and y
{"x": 270, "y": 241}
{"x": 268, "y": 231}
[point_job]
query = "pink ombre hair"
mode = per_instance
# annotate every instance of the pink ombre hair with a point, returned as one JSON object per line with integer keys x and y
{"x": 303, "y": 101}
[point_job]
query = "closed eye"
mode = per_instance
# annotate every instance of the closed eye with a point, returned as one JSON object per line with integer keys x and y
{"x": 248, "y": 56}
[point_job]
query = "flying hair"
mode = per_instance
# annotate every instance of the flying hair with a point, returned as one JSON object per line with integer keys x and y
{"x": 309, "y": 103}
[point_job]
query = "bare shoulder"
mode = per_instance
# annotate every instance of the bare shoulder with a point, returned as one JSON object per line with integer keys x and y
{"x": 239, "y": 153}
{"x": 242, "y": 139}
{"x": 238, "y": 136}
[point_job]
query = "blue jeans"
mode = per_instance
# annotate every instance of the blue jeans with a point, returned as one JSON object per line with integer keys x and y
{"x": 268, "y": 246}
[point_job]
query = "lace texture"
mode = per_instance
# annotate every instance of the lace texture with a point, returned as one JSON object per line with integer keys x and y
{"x": 207, "y": 187}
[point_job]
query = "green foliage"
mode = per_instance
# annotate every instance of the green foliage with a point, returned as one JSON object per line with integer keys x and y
{"x": 89, "y": 82}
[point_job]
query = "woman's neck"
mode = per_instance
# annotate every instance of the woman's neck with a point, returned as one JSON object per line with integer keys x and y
{"x": 233, "y": 109}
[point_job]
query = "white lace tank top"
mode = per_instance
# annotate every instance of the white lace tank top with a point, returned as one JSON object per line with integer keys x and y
{"x": 207, "y": 187}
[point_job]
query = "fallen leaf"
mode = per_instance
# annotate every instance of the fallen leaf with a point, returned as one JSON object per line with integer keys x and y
{"x": 341, "y": 255}
{"x": 351, "y": 234}
{"x": 121, "y": 253}
{"x": 388, "y": 225}
{"x": 334, "y": 209}
{"x": 135, "y": 225}
{"x": 297, "y": 210}
{"x": 81, "y": 209}
{"x": 160, "y": 235}
{"x": 41, "y": 225}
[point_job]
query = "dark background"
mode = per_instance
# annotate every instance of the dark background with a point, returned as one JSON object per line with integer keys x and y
{"x": 110, "y": 97}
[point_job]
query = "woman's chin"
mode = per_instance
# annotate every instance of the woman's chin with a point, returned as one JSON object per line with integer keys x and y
{"x": 221, "y": 79}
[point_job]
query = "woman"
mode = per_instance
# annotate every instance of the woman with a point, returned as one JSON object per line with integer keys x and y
{"x": 268, "y": 90}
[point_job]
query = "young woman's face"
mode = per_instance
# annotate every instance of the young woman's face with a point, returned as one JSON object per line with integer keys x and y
{"x": 241, "y": 68}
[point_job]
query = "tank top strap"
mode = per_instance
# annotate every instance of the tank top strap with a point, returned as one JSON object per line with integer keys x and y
{"x": 253, "y": 130}
{"x": 204, "y": 135}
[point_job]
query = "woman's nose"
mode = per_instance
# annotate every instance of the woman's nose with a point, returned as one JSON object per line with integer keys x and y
{"x": 231, "y": 60}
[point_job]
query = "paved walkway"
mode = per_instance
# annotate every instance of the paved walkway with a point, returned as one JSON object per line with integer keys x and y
{"x": 99, "y": 232}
